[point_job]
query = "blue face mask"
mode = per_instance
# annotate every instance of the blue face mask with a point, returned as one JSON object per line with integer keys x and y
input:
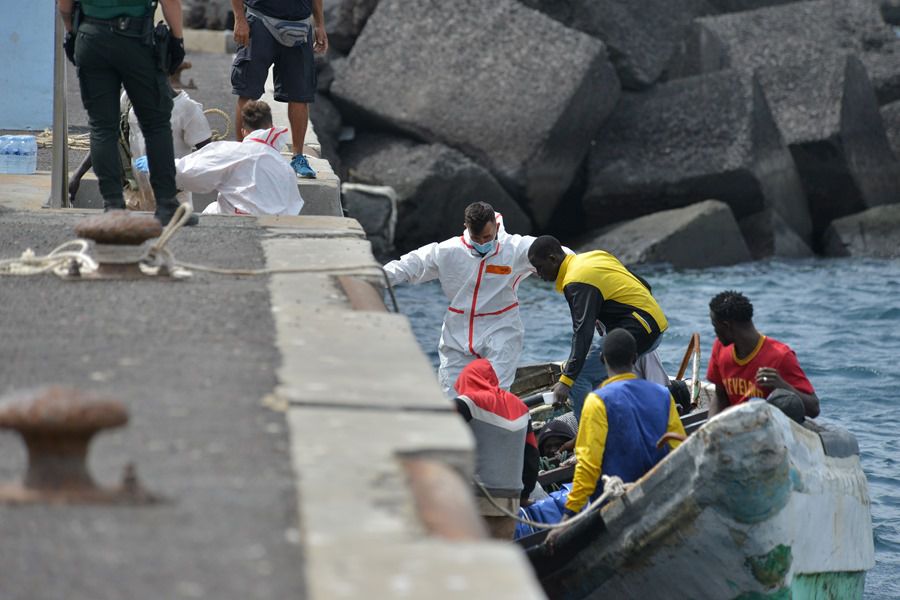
{"x": 485, "y": 248}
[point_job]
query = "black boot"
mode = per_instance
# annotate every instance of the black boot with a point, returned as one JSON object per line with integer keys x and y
{"x": 165, "y": 211}
{"x": 113, "y": 204}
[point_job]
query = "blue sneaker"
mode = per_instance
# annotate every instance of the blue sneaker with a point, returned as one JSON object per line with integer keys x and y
{"x": 302, "y": 168}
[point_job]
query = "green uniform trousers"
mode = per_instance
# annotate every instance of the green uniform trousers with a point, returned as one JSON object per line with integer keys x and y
{"x": 106, "y": 61}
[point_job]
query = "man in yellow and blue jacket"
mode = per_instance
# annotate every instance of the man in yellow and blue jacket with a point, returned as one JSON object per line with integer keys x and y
{"x": 620, "y": 425}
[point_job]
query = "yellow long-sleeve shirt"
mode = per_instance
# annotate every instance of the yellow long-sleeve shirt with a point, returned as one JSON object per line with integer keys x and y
{"x": 590, "y": 444}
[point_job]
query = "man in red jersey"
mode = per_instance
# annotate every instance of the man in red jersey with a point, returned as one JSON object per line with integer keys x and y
{"x": 746, "y": 364}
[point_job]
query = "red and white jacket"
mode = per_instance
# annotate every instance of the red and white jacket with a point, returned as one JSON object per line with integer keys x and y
{"x": 252, "y": 177}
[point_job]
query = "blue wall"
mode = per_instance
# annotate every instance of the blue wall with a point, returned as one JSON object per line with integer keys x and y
{"x": 26, "y": 63}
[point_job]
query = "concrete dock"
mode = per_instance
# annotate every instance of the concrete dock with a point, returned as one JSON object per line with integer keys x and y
{"x": 276, "y": 415}
{"x": 293, "y": 429}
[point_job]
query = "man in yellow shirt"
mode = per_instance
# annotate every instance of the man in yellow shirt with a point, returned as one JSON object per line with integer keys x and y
{"x": 620, "y": 425}
{"x": 600, "y": 291}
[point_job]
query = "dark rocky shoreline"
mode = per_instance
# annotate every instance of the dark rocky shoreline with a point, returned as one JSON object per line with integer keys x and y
{"x": 580, "y": 117}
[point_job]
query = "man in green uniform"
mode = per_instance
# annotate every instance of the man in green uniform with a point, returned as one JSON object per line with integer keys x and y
{"x": 114, "y": 47}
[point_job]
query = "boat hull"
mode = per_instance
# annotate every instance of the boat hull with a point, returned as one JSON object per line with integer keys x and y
{"x": 750, "y": 506}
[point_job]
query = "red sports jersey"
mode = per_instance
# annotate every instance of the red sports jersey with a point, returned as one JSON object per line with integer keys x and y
{"x": 738, "y": 377}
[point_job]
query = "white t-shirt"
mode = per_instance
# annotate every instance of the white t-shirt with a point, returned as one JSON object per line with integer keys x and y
{"x": 189, "y": 126}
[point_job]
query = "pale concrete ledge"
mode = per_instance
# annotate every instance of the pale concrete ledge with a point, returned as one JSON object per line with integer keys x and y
{"x": 360, "y": 399}
{"x": 24, "y": 192}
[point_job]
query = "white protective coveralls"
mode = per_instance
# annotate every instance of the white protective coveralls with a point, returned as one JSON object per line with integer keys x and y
{"x": 482, "y": 320}
{"x": 252, "y": 177}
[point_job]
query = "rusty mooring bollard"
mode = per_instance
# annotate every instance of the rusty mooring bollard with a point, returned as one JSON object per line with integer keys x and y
{"x": 119, "y": 236}
{"x": 57, "y": 424}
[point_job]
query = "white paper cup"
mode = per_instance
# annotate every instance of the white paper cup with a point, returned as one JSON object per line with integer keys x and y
{"x": 548, "y": 397}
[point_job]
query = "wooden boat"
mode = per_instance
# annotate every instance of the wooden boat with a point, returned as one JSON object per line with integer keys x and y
{"x": 751, "y": 506}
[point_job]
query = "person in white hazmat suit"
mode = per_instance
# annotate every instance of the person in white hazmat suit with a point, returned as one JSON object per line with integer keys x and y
{"x": 252, "y": 177}
{"x": 480, "y": 272}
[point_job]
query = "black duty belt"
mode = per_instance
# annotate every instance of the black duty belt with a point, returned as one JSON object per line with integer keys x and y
{"x": 131, "y": 24}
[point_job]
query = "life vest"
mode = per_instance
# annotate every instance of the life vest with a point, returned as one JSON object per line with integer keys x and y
{"x": 110, "y": 9}
{"x": 637, "y": 414}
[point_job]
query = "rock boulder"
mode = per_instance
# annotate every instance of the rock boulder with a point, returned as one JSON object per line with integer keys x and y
{"x": 883, "y": 66}
{"x": 890, "y": 10}
{"x": 732, "y": 6}
{"x": 710, "y": 136}
{"x": 828, "y": 115}
{"x": 775, "y": 36}
{"x": 641, "y": 36}
{"x": 514, "y": 90}
{"x": 767, "y": 234}
{"x": 206, "y": 14}
{"x": 890, "y": 115}
{"x": 345, "y": 19}
{"x": 873, "y": 233}
{"x": 701, "y": 235}
{"x": 434, "y": 184}
{"x": 327, "y": 122}
{"x": 375, "y": 207}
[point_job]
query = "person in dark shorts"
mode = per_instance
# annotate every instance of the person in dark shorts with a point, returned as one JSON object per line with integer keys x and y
{"x": 279, "y": 33}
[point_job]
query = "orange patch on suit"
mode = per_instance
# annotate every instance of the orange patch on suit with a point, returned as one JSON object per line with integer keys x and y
{"x": 499, "y": 269}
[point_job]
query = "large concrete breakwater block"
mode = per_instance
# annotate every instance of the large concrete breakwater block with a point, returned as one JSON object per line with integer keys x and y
{"x": 641, "y": 36}
{"x": 883, "y": 66}
{"x": 871, "y": 233}
{"x": 701, "y": 235}
{"x": 732, "y": 6}
{"x": 795, "y": 33}
{"x": 345, "y": 19}
{"x": 890, "y": 116}
{"x": 434, "y": 184}
{"x": 778, "y": 35}
{"x": 828, "y": 115}
{"x": 206, "y": 14}
{"x": 375, "y": 208}
{"x": 514, "y": 90}
{"x": 711, "y": 136}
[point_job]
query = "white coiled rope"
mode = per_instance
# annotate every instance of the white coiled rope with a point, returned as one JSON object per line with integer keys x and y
{"x": 157, "y": 259}
{"x": 59, "y": 261}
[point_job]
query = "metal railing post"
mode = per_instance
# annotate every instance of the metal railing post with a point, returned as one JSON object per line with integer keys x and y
{"x": 59, "y": 173}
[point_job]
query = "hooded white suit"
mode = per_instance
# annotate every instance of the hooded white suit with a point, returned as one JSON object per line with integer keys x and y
{"x": 252, "y": 177}
{"x": 482, "y": 320}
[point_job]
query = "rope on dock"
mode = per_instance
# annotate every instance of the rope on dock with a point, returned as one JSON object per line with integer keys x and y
{"x": 158, "y": 258}
{"x": 216, "y": 136}
{"x": 82, "y": 141}
{"x": 58, "y": 261}
{"x": 75, "y": 141}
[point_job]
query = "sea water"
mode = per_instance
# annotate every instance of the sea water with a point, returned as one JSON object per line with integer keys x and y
{"x": 841, "y": 316}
